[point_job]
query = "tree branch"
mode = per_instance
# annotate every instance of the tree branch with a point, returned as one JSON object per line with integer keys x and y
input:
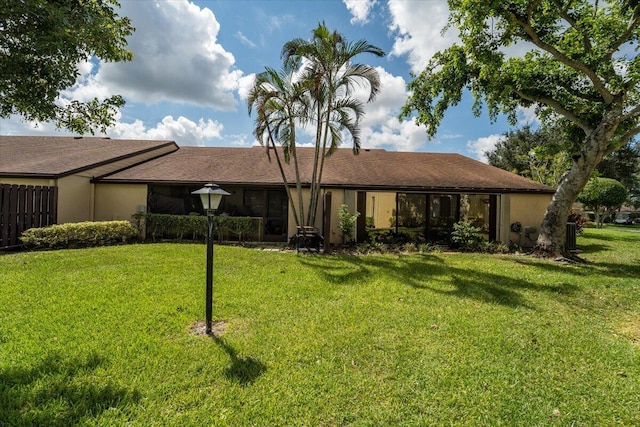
{"x": 634, "y": 112}
{"x": 622, "y": 140}
{"x": 563, "y": 13}
{"x": 535, "y": 39}
{"x": 629, "y": 134}
{"x": 633, "y": 23}
{"x": 581, "y": 95}
{"x": 558, "y": 108}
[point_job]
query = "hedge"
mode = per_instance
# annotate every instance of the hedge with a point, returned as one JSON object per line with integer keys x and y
{"x": 79, "y": 235}
{"x": 193, "y": 227}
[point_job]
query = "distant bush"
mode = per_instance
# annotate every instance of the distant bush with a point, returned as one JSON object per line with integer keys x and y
{"x": 79, "y": 235}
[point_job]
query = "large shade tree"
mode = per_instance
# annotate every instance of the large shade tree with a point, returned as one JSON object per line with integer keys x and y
{"x": 579, "y": 68}
{"x": 321, "y": 76}
{"x": 41, "y": 44}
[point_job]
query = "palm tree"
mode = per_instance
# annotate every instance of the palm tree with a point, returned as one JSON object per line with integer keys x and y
{"x": 280, "y": 107}
{"x": 330, "y": 76}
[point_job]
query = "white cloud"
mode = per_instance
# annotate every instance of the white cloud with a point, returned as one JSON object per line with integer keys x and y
{"x": 380, "y": 126}
{"x": 181, "y": 130}
{"x": 16, "y": 125}
{"x": 176, "y": 58}
{"x": 527, "y": 116}
{"x": 418, "y": 27}
{"x": 245, "y": 40}
{"x": 359, "y": 10}
{"x": 480, "y": 146}
{"x": 395, "y": 135}
{"x": 244, "y": 85}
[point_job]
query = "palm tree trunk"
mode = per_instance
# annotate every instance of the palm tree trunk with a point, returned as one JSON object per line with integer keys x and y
{"x": 324, "y": 155}
{"x": 314, "y": 176}
{"x": 296, "y": 166}
{"x": 284, "y": 180}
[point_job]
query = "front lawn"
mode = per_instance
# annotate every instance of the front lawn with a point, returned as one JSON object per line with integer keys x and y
{"x": 103, "y": 337}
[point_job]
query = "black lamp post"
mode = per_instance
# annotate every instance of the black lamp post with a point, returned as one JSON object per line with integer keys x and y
{"x": 211, "y": 195}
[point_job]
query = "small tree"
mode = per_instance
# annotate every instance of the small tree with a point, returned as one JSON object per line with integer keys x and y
{"x": 603, "y": 195}
{"x": 347, "y": 221}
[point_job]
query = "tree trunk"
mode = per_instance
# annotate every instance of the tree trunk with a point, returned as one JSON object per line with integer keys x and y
{"x": 553, "y": 232}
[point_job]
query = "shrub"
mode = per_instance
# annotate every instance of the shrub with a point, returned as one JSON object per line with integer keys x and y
{"x": 466, "y": 237}
{"x": 346, "y": 222}
{"x": 79, "y": 235}
{"x": 193, "y": 227}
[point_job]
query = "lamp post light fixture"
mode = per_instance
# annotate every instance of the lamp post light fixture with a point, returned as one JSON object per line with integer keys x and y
{"x": 211, "y": 195}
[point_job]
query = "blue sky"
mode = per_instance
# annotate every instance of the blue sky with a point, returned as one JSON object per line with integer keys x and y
{"x": 195, "y": 60}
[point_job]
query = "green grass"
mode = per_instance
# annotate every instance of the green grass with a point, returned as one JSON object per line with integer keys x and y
{"x": 102, "y": 337}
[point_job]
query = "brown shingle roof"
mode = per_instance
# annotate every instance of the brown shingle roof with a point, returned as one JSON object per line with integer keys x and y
{"x": 371, "y": 169}
{"x": 55, "y": 156}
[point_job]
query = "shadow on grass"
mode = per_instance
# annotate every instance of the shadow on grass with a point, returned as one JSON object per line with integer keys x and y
{"x": 630, "y": 237}
{"x": 243, "y": 370}
{"x": 58, "y": 392}
{"x": 602, "y": 269}
{"x": 590, "y": 248}
{"x": 431, "y": 273}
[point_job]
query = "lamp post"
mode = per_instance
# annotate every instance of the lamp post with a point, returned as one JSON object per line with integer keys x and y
{"x": 211, "y": 195}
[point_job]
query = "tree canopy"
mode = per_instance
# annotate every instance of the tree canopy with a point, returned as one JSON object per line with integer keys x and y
{"x": 535, "y": 154}
{"x": 575, "y": 61}
{"x": 541, "y": 155}
{"x": 603, "y": 195}
{"x": 41, "y": 45}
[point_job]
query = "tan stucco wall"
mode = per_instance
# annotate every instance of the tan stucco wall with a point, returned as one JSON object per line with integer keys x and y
{"x": 119, "y": 201}
{"x": 528, "y": 210}
{"x": 74, "y": 199}
{"x": 381, "y": 206}
{"x": 338, "y": 198}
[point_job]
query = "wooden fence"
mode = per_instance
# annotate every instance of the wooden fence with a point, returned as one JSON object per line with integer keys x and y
{"x": 23, "y": 207}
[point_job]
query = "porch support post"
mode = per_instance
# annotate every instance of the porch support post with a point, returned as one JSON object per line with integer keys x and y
{"x": 326, "y": 222}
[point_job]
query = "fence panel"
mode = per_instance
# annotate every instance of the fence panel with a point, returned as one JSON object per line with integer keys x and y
{"x": 23, "y": 207}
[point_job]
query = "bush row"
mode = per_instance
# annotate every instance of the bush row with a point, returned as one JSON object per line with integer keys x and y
{"x": 194, "y": 227}
{"x": 79, "y": 235}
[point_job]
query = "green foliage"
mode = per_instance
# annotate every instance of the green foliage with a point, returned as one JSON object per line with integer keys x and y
{"x": 466, "y": 237}
{"x": 371, "y": 222}
{"x": 161, "y": 225}
{"x": 576, "y": 43}
{"x": 623, "y": 165}
{"x": 603, "y": 192}
{"x": 41, "y": 44}
{"x": 603, "y": 195}
{"x": 193, "y": 227}
{"x": 539, "y": 154}
{"x": 347, "y": 221}
{"x": 79, "y": 235}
